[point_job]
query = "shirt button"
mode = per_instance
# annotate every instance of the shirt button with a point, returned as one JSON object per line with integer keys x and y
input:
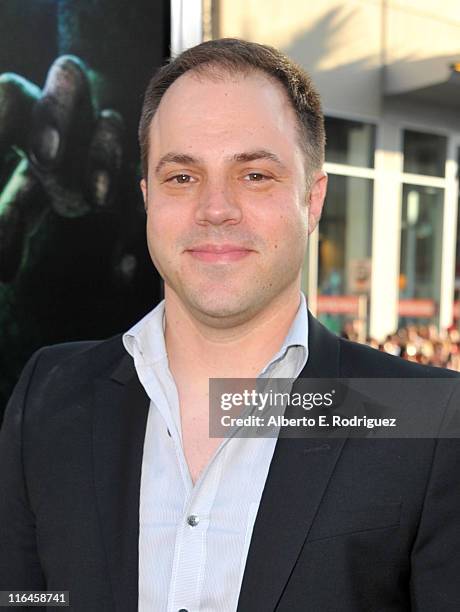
{"x": 193, "y": 521}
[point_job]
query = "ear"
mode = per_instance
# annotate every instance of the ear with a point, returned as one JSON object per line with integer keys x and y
{"x": 144, "y": 192}
{"x": 316, "y": 198}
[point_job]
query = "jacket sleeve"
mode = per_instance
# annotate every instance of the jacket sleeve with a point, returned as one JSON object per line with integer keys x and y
{"x": 19, "y": 561}
{"x": 435, "y": 574}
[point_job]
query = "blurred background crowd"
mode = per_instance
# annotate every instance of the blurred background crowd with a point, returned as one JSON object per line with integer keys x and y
{"x": 419, "y": 343}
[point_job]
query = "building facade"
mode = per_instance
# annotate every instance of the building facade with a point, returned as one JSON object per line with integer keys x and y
{"x": 386, "y": 251}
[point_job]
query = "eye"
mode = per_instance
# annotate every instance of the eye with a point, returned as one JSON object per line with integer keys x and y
{"x": 180, "y": 179}
{"x": 256, "y": 177}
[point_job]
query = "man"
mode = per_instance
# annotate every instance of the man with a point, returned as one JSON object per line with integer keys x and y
{"x": 113, "y": 488}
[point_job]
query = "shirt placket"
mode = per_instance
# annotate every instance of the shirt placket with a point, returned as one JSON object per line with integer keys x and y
{"x": 190, "y": 549}
{"x": 190, "y": 553}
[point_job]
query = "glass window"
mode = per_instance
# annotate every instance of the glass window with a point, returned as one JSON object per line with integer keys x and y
{"x": 345, "y": 243}
{"x": 350, "y": 142}
{"x": 421, "y": 238}
{"x": 424, "y": 153}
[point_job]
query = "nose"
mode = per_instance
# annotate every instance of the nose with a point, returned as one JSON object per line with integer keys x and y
{"x": 217, "y": 205}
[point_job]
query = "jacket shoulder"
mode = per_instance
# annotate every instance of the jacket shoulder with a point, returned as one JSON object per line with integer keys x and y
{"x": 57, "y": 374}
{"x": 88, "y": 356}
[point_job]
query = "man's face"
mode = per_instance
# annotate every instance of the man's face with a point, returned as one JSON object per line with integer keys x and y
{"x": 226, "y": 198}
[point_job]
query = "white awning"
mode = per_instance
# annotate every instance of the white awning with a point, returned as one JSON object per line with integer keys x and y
{"x": 432, "y": 80}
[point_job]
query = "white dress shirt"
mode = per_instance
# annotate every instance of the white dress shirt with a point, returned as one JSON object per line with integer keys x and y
{"x": 194, "y": 538}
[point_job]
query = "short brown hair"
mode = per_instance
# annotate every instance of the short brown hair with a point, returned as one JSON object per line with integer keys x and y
{"x": 235, "y": 56}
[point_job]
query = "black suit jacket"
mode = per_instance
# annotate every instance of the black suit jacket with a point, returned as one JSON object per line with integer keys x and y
{"x": 358, "y": 525}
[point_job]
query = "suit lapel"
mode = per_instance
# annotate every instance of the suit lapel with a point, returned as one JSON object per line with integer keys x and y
{"x": 299, "y": 473}
{"x": 120, "y": 418}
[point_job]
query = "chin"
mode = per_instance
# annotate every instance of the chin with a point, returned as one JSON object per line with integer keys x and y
{"x": 225, "y": 312}
{"x": 217, "y": 310}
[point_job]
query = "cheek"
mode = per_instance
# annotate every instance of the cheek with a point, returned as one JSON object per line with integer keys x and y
{"x": 157, "y": 238}
{"x": 161, "y": 225}
{"x": 288, "y": 234}
{"x": 163, "y": 238}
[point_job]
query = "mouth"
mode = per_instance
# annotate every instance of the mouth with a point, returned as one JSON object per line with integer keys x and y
{"x": 219, "y": 253}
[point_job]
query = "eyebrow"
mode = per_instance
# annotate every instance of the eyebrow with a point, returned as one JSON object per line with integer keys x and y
{"x": 255, "y": 155}
{"x": 176, "y": 158}
{"x": 182, "y": 158}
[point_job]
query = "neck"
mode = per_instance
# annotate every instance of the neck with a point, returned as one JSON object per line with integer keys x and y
{"x": 197, "y": 351}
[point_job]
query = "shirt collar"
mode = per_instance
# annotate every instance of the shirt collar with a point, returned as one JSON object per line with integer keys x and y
{"x": 297, "y": 336}
{"x": 148, "y": 335}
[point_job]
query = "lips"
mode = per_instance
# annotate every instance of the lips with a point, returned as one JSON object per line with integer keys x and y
{"x": 219, "y": 252}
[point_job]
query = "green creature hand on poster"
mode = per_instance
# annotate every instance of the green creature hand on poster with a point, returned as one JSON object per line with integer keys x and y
{"x": 73, "y": 260}
{"x": 64, "y": 155}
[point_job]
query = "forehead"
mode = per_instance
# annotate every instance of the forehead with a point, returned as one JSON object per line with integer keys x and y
{"x": 220, "y": 108}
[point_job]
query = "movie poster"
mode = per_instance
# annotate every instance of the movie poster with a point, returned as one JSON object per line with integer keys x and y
{"x": 73, "y": 257}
